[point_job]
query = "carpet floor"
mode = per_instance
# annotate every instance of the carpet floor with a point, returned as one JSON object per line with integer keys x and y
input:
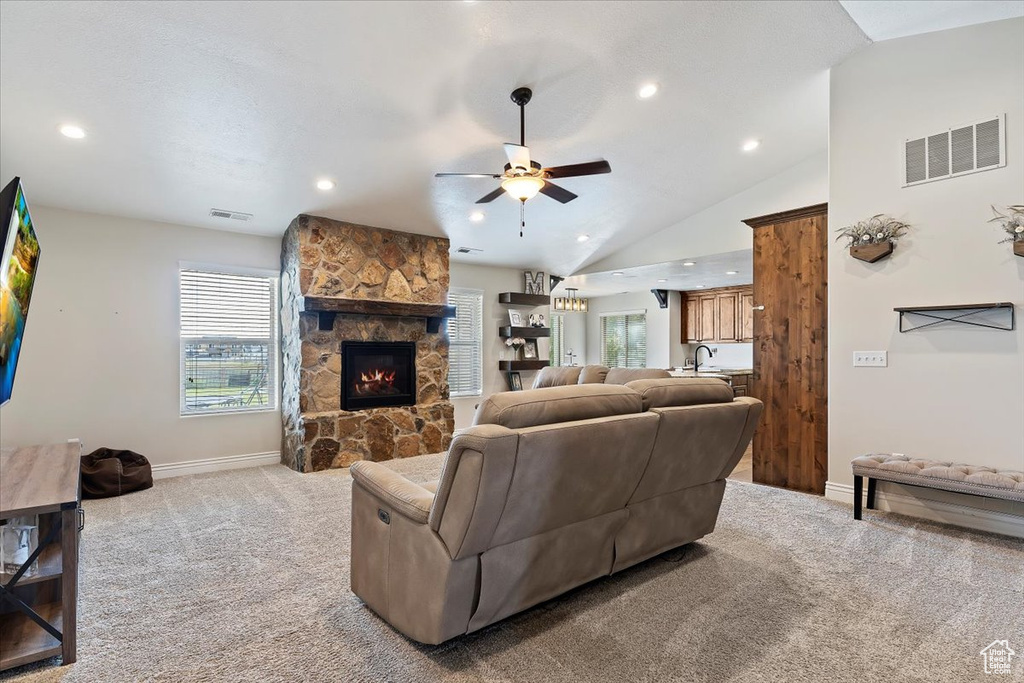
{"x": 244, "y": 576}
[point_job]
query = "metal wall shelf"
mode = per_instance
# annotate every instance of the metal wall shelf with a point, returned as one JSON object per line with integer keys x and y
{"x": 956, "y": 313}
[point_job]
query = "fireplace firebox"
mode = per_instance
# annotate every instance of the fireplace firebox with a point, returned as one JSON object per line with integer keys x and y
{"x": 377, "y": 374}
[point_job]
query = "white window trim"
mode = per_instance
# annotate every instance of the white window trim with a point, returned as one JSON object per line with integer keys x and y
{"x": 275, "y": 389}
{"x": 465, "y": 291}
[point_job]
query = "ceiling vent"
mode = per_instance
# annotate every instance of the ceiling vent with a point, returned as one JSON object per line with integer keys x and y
{"x": 958, "y": 151}
{"x": 467, "y": 250}
{"x": 234, "y": 215}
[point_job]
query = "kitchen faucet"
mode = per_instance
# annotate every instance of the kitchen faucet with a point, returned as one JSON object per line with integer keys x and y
{"x": 696, "y": 353}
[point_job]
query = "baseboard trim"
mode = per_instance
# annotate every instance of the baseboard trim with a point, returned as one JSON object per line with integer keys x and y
{"x": 934, "y": 510}
{"x": 228, "y": 462}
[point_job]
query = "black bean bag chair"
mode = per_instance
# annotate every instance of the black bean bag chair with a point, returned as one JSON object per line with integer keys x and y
{"x": 107, "y": 472}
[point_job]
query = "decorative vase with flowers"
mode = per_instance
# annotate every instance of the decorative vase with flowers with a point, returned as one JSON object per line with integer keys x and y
{"x": 515, "y": 343}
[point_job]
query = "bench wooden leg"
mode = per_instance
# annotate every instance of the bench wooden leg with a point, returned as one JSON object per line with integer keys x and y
{"x": 858, "y": 488}
{"x": 871, "y": 493}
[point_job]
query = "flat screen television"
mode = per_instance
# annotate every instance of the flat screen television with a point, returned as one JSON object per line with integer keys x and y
{"x": 18, "y": 265}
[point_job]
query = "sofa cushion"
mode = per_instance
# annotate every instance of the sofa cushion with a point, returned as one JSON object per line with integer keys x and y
{"x": 557, "y": 377}
{"x": 519, "y": 409}
{"x": 680, "y": 391}
{"x": 626, "y": 375}
{"x": 593, "y": 374}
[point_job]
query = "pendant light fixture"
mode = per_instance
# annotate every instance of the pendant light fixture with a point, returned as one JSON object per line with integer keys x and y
{"x": 571, "y": 303}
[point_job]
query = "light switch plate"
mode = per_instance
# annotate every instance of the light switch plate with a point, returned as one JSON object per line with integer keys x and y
{"x": 870, "y": 359}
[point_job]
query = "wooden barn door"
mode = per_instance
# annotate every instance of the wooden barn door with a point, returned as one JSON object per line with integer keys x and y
{"x": 790, "y": 348}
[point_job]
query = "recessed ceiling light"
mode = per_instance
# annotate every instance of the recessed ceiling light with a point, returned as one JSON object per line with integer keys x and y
{"x": 476, "y": 216}
{"x": 617, "y": 272}
{"x": 583, "y": 238}
{"x": 689, "y": 263}
{"x": 662, "y": 280}
{"x": 751, "y": 145}
{"x": 732, "y": 272}
{"x": 70, "y": 131}
{"x": 699, "y": 286}
{"x": 325, "y": 184}
{"x": 647, "y": 90}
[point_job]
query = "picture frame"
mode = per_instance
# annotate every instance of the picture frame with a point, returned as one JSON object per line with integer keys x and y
{"x": 530, "y": 349}
{"x": 536, "y": 320}
{"x": 515, "y": 317}
{"x": 515, "y": 381}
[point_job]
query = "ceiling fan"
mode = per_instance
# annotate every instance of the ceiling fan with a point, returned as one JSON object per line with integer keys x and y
{"x": 524, "y": 178}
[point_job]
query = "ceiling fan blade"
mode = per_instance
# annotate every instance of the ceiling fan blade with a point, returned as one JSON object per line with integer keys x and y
{"x": 572, "y": 170}
{"x": 555, "y": 192}
{"x": 518, "y": 156}
{"x": 466, "y": 175}
{"x": 490, "y": 197}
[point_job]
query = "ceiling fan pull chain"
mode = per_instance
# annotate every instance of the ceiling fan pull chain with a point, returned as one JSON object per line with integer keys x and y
{"x": 522, "y": 216}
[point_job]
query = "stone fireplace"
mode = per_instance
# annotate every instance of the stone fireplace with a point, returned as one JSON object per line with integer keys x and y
{"x": 365, "y": 352}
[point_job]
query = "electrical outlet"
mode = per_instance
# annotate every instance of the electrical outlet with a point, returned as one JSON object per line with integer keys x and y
{"x": 870, "y": 359}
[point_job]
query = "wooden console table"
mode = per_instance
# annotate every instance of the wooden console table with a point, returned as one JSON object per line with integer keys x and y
{"x": 38, "y": 613}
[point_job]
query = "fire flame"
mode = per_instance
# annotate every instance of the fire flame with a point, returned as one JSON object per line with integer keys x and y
{"x": 376, "y": 382}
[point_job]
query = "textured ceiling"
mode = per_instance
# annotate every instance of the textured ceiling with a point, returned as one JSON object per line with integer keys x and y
{"x": 885, "y": 20}
{"x": 242, "y": 106}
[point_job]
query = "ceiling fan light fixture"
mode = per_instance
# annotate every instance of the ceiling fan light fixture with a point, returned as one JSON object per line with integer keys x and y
{"x": 523, "y": 187}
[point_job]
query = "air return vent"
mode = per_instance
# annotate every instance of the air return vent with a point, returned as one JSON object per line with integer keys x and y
{"x": 957, "y": 151}
{"x": 467, "y": 250}
{"x": 234, "y": 215}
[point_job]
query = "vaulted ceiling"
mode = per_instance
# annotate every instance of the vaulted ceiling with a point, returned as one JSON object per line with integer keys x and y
{"x": 243, "y": 106}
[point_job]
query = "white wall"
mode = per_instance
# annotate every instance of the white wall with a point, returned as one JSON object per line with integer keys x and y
{"x": 950, "y": 392}
{"x": 658, "y": 326}
{"x": 100, "y": 356}
{"x": 720, "y": 228}
{"x": 492, "y": 281}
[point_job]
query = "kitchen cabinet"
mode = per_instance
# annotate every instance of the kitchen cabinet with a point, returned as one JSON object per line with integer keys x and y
{"x": 727, "y": 323}
{"x": 718, "y": 315}
{"x": 746, "y": 316}
{"x": 707, "y": 307}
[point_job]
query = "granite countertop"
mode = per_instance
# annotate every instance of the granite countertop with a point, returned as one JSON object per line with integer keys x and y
{"x": 718, "y": 373}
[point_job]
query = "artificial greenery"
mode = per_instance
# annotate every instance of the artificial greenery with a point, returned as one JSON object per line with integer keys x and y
{"x": 879, "y": 228}
{"x": 1012, "y": 222}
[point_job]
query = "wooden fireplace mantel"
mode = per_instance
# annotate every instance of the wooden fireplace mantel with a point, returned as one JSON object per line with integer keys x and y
{"x": 327, "y": 307}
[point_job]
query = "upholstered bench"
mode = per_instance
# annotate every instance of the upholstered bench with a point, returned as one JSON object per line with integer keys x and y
{"x": 935, "y": 474}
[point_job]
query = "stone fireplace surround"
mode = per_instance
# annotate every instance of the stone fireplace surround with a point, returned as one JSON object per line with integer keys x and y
{"x": 331, "y": 262}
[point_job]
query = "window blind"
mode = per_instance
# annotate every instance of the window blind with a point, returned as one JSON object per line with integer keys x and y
{"x": 557, "y": 347}
{"x": 624, "y": 340}
{"x": 228, "y": 342}
{"x": 465, "y": 343}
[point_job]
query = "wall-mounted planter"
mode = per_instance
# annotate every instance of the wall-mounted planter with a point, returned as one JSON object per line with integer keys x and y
{"x": 1018, "y": 247}
{"x": 872, "y": 252}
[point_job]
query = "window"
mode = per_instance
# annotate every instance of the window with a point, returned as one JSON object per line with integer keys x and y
{"x": 557, "y": 347}
{"x": 228, "y": 341}
{"x": 466, "y": 339}
{"x": 624, "y": 340}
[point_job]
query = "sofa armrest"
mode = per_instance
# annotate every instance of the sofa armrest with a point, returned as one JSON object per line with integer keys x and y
{"x": 406, "y": 497}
